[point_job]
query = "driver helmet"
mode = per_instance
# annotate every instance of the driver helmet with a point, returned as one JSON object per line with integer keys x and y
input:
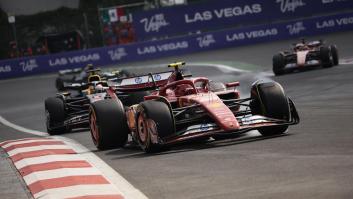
{"x": 99, "y": 87}
{"x": 300, "y": 46}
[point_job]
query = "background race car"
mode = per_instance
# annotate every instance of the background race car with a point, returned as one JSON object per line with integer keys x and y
{"x": 183, "y": 109}
{"x": 80, "y": 75}
{"x": 67, "y": 111}
{"x": 303, "y": 55}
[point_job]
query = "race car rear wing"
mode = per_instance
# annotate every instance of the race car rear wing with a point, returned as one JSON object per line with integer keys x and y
{"x": 70, "y": 71}
{"x": 142, "y": 82}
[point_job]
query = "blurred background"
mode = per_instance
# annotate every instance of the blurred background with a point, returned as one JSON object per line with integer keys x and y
{"x": 42, "y": 26}
{"x": 74, "y": 33}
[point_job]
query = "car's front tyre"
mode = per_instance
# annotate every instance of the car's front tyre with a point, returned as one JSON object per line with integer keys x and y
{"x": 154, "y": 121}
{"x": 55, "y": 116}
{"x": 269, "y": 100}
{"x": 278, "y": 64}
{"x": 108, "y": 124}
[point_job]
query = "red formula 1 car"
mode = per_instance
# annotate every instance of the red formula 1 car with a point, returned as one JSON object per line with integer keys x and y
{"x": 182, "y": 109}
{"x": 304, "y": 55}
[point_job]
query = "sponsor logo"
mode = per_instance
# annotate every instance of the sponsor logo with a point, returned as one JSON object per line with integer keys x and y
{"x": 117, "y": 54}
{"x": 154, "y": 23}
{"x": 334, "y": 22}
{"x": 295, "y": 28}
{"x": 157, "y": 77}
{"x": 28, "y": 65}
{"x": 138, "y": 80}
{"x": 5, "y": 69}
{"x": 252, "y": 34}
{"x": 331, "y": 1}
{"x": 205, "y": 41}
{"x": 204, "y": 127}
{"x": 290, "y": 5}
{"x": 201, "y": 128}
{"x": 162, "y": 48}
{"x": 74, "y": 60}
{"x": 223, "y": 13}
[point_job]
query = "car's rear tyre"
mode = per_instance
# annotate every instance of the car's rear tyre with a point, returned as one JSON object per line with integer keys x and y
{"x": 278, "y": 64}
{"x": 325, "y": 55}
{"x": 108, "y": 124}
{"x": 269, "y": 99}
{"x": 55, "y": 116}
{"x": 154, "y": 121}
{"x": 334, "y": 53}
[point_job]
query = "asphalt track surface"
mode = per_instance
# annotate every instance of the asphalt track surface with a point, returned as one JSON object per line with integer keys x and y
{"x": 313, "y": 160}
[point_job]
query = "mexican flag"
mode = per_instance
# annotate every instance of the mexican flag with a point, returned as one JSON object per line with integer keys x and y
{"x": 112, "y": 15}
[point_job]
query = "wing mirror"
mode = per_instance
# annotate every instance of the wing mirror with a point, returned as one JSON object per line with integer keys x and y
{"x": 232, "y": 84}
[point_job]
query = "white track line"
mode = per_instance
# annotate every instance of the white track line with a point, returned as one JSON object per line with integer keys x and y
{"x": 222, "y": 67}
{"x": 78, "y": 190}
{"x": 20, "y": 128}
{"x": 119, "y": 182}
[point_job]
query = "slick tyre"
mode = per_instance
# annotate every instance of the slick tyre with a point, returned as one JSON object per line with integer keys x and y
{"x": 154, "y": 122}
{"x": 278, "y": 64}
{"x": 55, "y": 116}
{"x": 325, "y": 55}
{"x": 269, "y": 100}
{"x": 108, "y": 124}
{"x": 334, "y": 53}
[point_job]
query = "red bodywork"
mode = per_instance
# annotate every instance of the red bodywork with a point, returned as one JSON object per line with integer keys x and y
{"x": 302, "y": 53}
{"x": 195, "y": 94}
{"x": 184, "y": 93}
{"x": 188, "y": 92}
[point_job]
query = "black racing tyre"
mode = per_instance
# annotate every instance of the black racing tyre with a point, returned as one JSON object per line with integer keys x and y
{"x": 325, "y": 55}
{"x": 135, "y": 98}
{"x": 55, "y": 116}
{"x": 59, "y": 84}
{"x": 278, "y": 64}
{"x": 216, "y": 86}
{"x": 334, "y": 53}
{"x": 108, "y": 124}
{"x": 269, "y": 99}
{"x": 154, "y": 121}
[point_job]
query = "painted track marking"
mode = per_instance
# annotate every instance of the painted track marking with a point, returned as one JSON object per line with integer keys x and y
{"x": 39, "y": 162}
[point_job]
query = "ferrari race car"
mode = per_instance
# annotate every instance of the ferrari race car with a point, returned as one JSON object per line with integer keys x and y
{"x": 80, "y": 75}
{"x": 67, "y": 111}
{"x": 181, "y": 109}
{"x": 303, "y": 55}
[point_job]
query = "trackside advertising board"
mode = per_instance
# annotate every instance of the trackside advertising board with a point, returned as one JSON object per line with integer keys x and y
{"x": 115, "y": 55}
{"x": 220, "y": 14}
